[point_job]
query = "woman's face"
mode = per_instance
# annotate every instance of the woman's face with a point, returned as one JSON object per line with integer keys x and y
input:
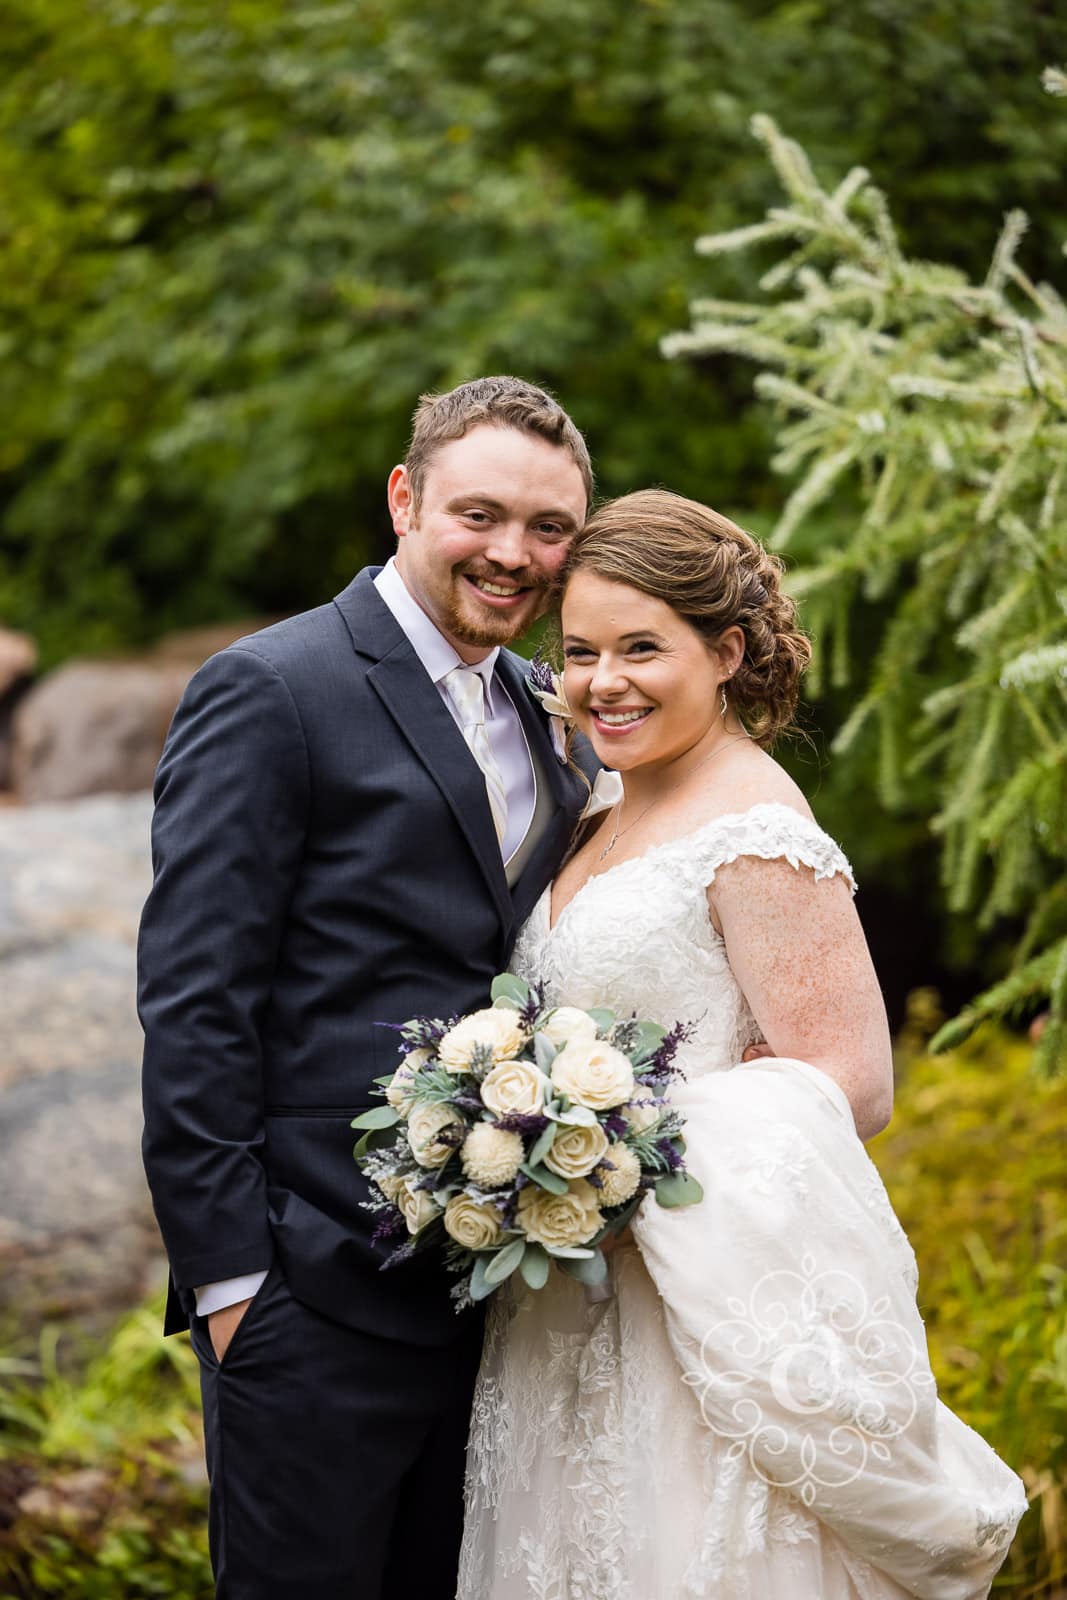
{"x": 642, "y": 683}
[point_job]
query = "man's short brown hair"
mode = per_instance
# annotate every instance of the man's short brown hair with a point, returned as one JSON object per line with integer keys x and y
{"x": 502, "y": 403}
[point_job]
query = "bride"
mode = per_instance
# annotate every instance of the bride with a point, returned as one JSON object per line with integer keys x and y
{"x": 750, "y": 1414}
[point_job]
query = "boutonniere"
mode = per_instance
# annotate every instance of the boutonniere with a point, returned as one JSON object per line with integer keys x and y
{"x": 546, "y": 687}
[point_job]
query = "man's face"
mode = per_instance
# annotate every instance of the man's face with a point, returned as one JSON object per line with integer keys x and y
{"x": 499, "y": 509}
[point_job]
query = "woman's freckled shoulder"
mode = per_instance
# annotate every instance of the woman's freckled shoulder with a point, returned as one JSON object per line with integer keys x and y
{"x": 755, "y": 780}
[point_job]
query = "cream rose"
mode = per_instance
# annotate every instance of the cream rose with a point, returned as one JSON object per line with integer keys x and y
{"x": 568, "y": 1023}
{"x": 642, "y": 1113}
{"x": 620, "y": 1183}
{"x": 471, "y": 1224}
{"x": 513, "y": 1086}
{"x": 398, "y": 1093}
{"x": 558, "y": 1220}
{"x": 576, "y": 1151}
{"x": 425, "y": 1124}
{"x": 498, "y": 1029}
{"x": 491, "y": 1155}
{"x": 418, "y": 1207}
{"x": 390, "y": 1183}
{"x": 595, "y": 1075}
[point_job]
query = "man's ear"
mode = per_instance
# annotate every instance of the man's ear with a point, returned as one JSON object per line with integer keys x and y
{"x": 399, "y": 497}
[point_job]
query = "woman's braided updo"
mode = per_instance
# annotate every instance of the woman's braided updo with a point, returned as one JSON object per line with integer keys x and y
{"x": 716, "y": 576}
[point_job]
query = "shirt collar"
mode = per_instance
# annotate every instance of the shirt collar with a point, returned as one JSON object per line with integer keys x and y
{"x": 426, "y": 639}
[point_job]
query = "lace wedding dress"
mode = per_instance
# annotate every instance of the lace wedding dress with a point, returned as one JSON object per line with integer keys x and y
{"x": 751, "y": 1414}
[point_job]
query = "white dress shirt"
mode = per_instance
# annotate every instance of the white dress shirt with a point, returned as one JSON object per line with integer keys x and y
{"x": 512, "y": 753}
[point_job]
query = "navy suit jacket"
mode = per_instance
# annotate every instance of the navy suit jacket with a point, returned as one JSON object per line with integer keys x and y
{"x": 325, "y": 861}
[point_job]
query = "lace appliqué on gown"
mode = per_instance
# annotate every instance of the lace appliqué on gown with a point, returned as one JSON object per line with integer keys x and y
{"x": 752, "y": 1413}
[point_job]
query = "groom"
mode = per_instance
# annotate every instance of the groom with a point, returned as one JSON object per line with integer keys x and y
{"x": 355, "y": 811}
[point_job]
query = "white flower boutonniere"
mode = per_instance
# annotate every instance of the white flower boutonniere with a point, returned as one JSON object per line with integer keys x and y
{"x": 546, "y": 687}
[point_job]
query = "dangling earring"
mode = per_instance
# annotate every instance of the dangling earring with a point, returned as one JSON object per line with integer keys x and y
{"x": 723, "y": 702}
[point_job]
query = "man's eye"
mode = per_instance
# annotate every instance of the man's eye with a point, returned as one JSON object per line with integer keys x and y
{"x": 477, "y": 516}
{"x": 550, "y": 530}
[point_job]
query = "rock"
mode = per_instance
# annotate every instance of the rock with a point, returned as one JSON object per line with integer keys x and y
{"x": 97, "y": 727}
{"x": 94, "y": 727}
{"x": 77, "y": 1235}
{"x": 18, "y": 658}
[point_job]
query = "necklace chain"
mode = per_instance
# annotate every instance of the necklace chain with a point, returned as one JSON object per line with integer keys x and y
{"x": 618, "y": 832}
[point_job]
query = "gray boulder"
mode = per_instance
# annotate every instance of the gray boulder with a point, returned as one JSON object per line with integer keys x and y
{"x": 77, "y": 1234}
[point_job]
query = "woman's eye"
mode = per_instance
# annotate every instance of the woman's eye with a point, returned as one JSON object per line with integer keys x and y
{"x": 574, "y": 653}
{"x": 643, "y": 646}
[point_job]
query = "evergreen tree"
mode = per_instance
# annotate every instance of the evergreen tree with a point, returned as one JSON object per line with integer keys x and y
{"x": 923, "y": 417}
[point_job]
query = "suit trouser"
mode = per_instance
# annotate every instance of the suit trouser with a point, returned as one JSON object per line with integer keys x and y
{"x": 335, "y": 1457}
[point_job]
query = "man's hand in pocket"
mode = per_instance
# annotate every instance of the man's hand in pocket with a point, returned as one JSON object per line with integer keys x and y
{"x": 222, "y": 1325}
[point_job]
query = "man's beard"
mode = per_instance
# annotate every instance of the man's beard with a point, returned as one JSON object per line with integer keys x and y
{"x": 488, "y": 634}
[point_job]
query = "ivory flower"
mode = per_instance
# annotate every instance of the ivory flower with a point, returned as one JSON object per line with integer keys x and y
{"x": 621, "y": 1182}
{"x": 513, "y": 1086}
{"x": 497, "y": 1029}
{"x": 576, "y": 1151}
{"x": 425, "y": 1124}
{"x": 557, "y": 1220}
{"x": 593, "y": 1074}
{"x": 418, "y": 1207}
{"x": 491, "y": 1155}
{"x": 471, "y": 1224}
{"x": 390, "y": 1183}
{"x": 642, "y": 1113}
{"x": 567, "y": 1023}
{"x": 398, "y": 1093}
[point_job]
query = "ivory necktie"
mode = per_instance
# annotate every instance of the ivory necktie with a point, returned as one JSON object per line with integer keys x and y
{"x": 467, "y": 693}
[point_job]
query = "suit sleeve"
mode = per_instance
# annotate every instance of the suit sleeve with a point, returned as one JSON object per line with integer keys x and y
{"x": 232, "y": 795}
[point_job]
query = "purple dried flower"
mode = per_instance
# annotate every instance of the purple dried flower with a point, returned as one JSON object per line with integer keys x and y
{"x": 671, "y": 1154}
{"x": 534, "y": 1006}
{"x": 541, "y": 673}
{"x": 661, "y": 1068}
{"x": 615, "y": 1125}
{"x": 403, "y": 1252}
{"x": 522, "y": 1122}
{"x": 391, "y": 1224}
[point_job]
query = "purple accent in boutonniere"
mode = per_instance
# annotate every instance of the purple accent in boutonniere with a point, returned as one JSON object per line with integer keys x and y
{"x": 546, "y": 687}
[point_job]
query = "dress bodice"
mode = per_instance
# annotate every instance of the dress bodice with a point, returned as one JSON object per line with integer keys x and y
{"x": 639, "y": 937}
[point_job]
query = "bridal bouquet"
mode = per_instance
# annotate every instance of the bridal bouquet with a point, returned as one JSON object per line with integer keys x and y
{"x": 519, "y": 1135}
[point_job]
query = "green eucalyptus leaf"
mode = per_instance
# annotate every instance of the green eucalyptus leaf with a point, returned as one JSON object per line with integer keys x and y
{"x": 479, "y": 1289}
{"x": 510, "y": 989}
{"x": 545, "y": 1178}
{"x": 605, "y": 1020}
{"x": 504, "y": 1262}
{"x": 545, "y": 1052}
{"x": 542, "y": 1145}
{"x": 534, "y": 1266}
{"x": 376, "y": 1117}
{"x": 591, "y": 1269}
{"x": 678, "y": 1189}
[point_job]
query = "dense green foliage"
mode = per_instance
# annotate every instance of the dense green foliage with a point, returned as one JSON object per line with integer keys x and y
{"x": 102, "y": 1492}
{"x": 975, "y": 1167}
{"x": 236, "y": 242}
{"x": 933, "y": 411}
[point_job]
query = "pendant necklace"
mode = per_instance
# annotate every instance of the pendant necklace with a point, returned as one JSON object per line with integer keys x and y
{"x": 618, "y": 832}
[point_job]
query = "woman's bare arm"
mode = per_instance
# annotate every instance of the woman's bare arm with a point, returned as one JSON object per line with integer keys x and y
{"x": 797, "y": 949}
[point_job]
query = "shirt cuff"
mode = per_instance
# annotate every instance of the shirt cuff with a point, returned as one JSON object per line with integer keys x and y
{"x": 227, "y": 1292}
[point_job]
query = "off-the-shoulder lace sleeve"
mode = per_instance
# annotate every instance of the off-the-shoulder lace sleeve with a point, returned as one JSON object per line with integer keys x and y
{"x": 772, "y": 832}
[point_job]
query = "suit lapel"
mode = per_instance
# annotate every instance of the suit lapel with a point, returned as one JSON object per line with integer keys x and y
{"x": 414, "y": 702}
